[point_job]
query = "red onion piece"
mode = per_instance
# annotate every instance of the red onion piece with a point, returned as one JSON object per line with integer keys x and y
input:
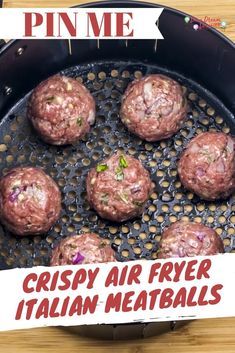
{"x": 78, "y": 258}
{"x": 200, "y": 172}
{"x": 135, "y": 189}
{"x": 220, "y": 167}
{"x": 181, "y": 252}
{"x": 230, "y": 145}
{"x": 14, "y": 195}
{"x": 200, "y": 236}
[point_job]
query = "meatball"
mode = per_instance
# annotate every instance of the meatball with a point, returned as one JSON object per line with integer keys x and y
{"x": 154, "y": 107}
{"x": 82, "y": 249}
{"x": 30, "y": 201}
{"x": 118, "y": 187}
{"x": 207, "y": 166}
{"x": 61, "y": 110}
{"x": 182, "y": 239}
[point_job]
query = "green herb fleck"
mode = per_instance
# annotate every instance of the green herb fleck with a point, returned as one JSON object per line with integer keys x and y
{"x": 138, "y": 203}
{"x": 104, "y": 198}
{"x": 50, "y": 99}
{"x": 124, "y": 197}
{"x": 79, "y": 121}
{"x": 122, "y": 162}
{"x": 208, "y": 155}
{"x": 101, "y": 167}
{"x": 72, "y": 246}
{"x": 119, "y": 175}
{"x": 227, "y": 150}
{"x": 38, "y": 187}
{"x": 210, "y": 159}
{"x": 102, "y": 245}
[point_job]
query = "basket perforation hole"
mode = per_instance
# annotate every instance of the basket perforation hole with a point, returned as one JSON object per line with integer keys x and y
{"x": 125, "y": 253}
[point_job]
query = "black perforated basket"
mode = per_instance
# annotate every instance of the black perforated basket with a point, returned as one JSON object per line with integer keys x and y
{"x": 202, "y": 61}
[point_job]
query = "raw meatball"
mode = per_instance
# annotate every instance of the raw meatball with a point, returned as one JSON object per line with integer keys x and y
{"x": 154, "y": 107}
{"x": 207, "y": 166}
{"x": 30, "y": 201}
{"x": 118, "y": 187}
{"x": 189, "y": 239}
{"x": 61, "y": 110}
{"x": 82, "y": 249}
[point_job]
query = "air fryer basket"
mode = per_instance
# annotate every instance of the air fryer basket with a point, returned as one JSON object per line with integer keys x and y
{"x": 203, "y": 62}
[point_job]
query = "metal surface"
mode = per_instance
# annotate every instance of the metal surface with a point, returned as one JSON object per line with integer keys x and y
{"x": 69, "y": 166}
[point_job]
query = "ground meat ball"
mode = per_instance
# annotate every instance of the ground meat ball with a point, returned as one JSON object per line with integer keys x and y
{"x": 207, "y": 166}
{"x": 82, "y": 249}
{"x": 118, "y": 187}
{"x": 189, "y": 239}
{"x": 30, "y": 201}
{"x": 154, "y": 107}
{"x": 61, "y": 110}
